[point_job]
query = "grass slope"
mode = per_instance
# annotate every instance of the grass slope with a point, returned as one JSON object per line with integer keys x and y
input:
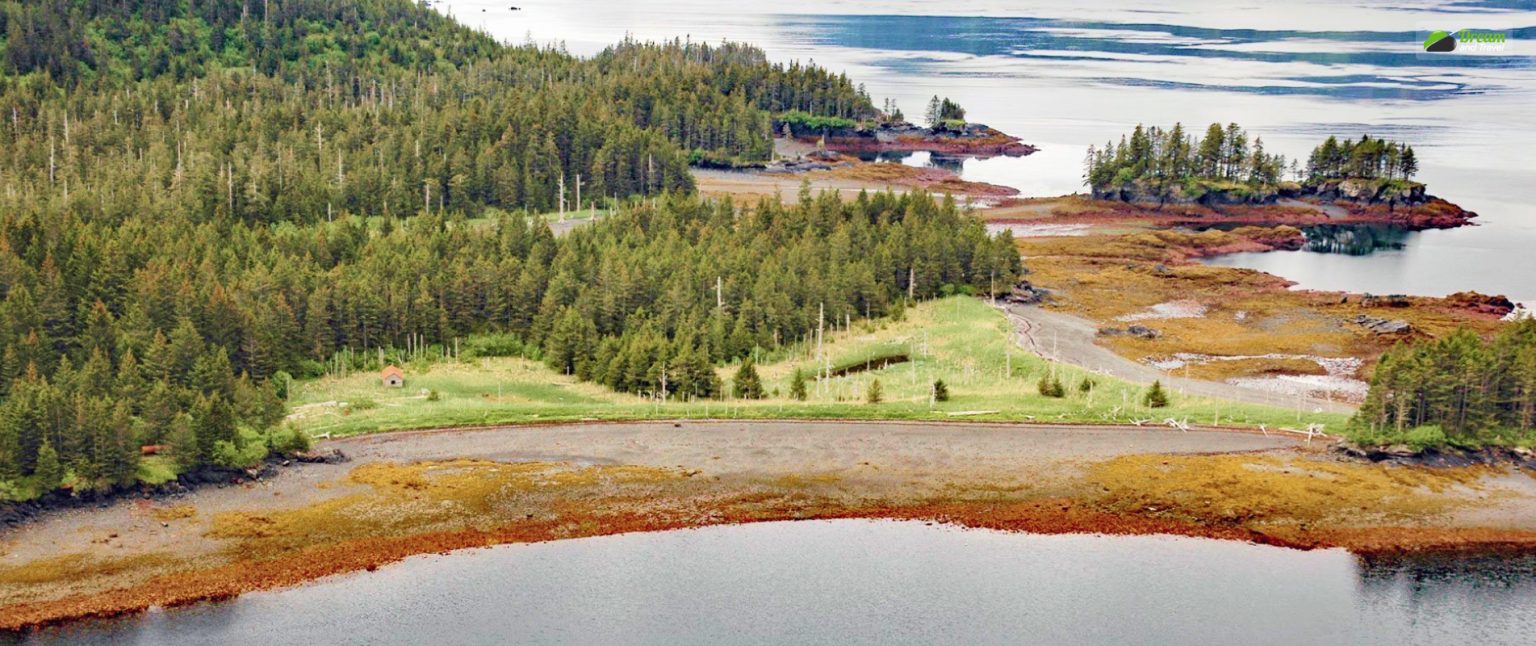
{"x": 960, "y": 340}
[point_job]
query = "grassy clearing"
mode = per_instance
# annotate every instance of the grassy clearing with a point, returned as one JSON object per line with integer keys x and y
{"x": 960, "y": 340}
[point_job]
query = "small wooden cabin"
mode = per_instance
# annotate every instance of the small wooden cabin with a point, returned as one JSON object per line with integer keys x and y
{"x": 392, "y": 377}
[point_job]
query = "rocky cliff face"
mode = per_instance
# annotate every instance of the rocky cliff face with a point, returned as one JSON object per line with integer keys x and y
{"x": 1148, "y": 195}
{"x": 1368, "y": 192}
{"x": 1356, "y": 191}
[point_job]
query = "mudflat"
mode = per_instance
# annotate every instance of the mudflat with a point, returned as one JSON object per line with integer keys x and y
{"x": 433, "y": 491}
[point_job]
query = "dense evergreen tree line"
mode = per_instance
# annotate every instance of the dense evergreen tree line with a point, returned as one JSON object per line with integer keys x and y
{"x": 183, "y": 188}
{"x": 376, "y": 107}
{"x": 679, "y": 290}
{"x": 1168, "y": 158}
{"x": 1469, "y": 388}
{"x": 1174, "y": 155}
{"x": 255, "y": 148}
{"x": 1368, "y": 158}
{"x": 720, "y": 99}
{"x": 152, "y": 320}
{"x": 103, "y": 42}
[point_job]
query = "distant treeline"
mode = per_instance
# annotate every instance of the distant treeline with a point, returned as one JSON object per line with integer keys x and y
{"x": 316, "y": 107}
{"x": 1459, "y": 389}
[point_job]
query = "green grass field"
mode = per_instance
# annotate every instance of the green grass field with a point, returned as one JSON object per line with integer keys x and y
{"x": 960, "y": 340}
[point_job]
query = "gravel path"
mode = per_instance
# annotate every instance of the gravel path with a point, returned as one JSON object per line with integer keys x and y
{"x": 1070, "y": 339}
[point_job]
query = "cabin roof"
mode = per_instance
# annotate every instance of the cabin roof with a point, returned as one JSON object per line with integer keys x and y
{"x": 391, "y": 371}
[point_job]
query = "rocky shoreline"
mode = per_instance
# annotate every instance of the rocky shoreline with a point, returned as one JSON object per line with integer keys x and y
{"x": 1431, "y": 213}
{"x": 1435, "y": 457}
{"x": 971, "y": 139}
{"x": 1353, "y": 191}
{"x": 16, "y": 514}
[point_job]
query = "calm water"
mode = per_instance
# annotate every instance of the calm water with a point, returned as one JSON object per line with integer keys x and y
{"x": 1063, "y": 75}
{"x": 859, "y": 582}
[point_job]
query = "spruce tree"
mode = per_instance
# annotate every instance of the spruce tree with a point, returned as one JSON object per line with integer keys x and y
{"x": 746, "y": 384}
{"x": 797, "y": 385}
{"x": 875, "y": 394}
{"x": 50, "y": 473}
{"x": 1156, "y": 397}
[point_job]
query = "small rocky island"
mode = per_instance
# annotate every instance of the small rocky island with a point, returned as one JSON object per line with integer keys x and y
{"x": 947, "y": 133}
{"x": 852, "y": 152}
{"x": 1364, "y": 180}
{"x": 970, "y": 139}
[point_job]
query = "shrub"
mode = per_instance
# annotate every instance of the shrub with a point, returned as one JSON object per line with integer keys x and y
{"x": 225, "y": 454}
{"x": 1087, "y": 385}
{"x": 362, "y": 403}
{"x": 940, "y": 391}
{"x": 249, "y": 449}
{"x": 289, "y": 441}
{"x": 432, "y": 395}
{"x": 309, "y": 369}
{"x": 1423, "y": 437}
{"x": 1050, "y": 386}
{"x": 875, "y": 394}
{"x": 493, "y": 345}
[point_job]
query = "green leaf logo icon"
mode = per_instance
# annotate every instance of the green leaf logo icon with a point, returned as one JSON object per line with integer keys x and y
{"x": 1440, "y": 41}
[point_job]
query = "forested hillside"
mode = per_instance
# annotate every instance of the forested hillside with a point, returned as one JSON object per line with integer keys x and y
{"x": 377, "y": 107}
{"x": 197, "y": 199}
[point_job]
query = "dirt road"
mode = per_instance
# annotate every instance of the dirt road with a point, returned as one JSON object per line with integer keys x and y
{"x": 1070, "y": 339}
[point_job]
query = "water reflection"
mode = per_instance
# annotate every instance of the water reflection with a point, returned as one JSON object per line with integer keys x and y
{"x": 1429, "y": 577}
{"x": 871, "y": 582}
{"x": 1344, "y": 239}
{"x": 1355, "y": 239}
{"x": 920, "y": 159}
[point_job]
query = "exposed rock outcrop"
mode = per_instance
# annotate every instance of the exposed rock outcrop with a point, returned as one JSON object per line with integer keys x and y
{"x": 1025, "y": 293}
{"x": 1383, "y": 326}
{"x": 332, "y": 456}
{"x": 1494, "y": 305}
{"x": 1435, "y": 457}
{"x": 1140, "y": 331}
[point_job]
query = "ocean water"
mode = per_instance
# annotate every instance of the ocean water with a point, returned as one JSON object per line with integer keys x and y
{"x": 869, "y": 582}
{"x": 1064, "y": 76}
